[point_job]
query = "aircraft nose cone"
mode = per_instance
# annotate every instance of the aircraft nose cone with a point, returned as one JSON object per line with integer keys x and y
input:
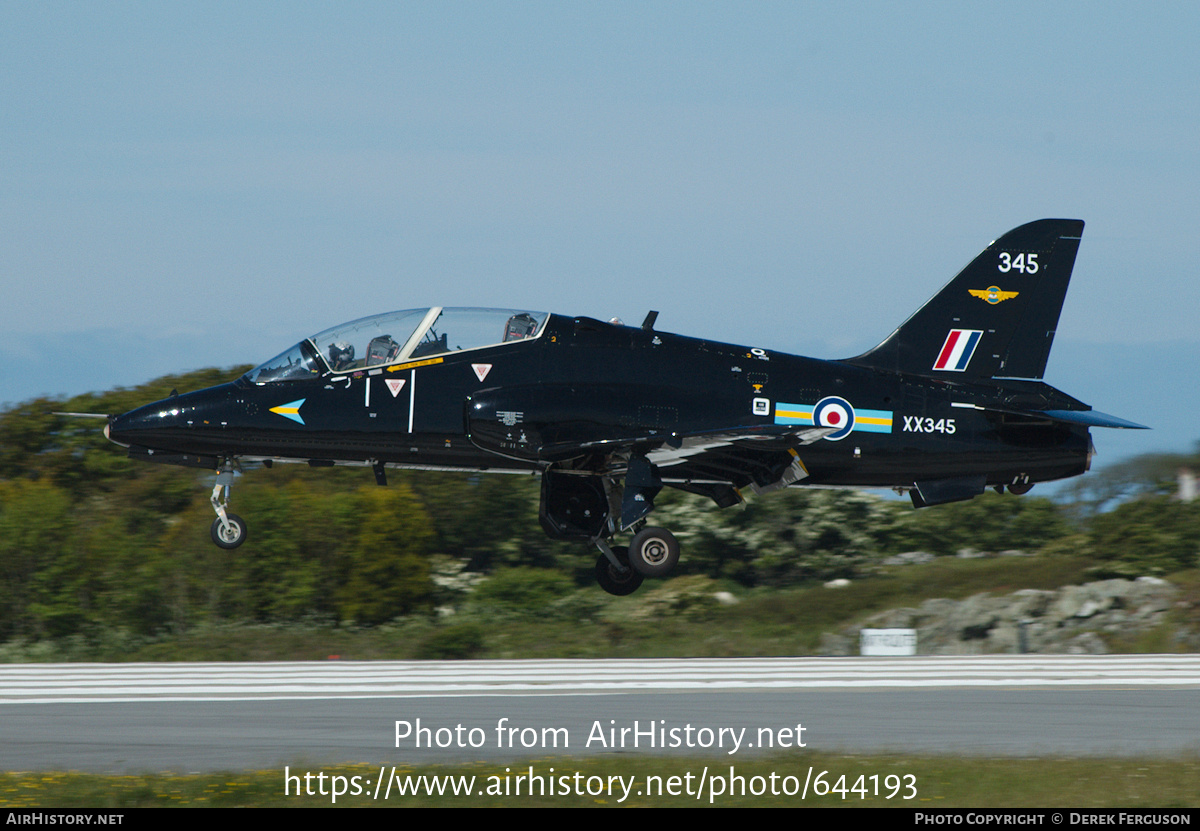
{"x": 136, "y": 426}
{"x": 180, "y": 424}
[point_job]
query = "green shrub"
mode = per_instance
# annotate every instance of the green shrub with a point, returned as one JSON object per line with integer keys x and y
{"x": 457, "y": 640}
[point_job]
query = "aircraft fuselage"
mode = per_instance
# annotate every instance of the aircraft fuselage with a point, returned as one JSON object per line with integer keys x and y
{"x": 585, "y": 382}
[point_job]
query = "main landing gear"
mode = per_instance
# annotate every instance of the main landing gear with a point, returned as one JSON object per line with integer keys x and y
{"x": 228, "y": 530}
{"x": 582, "y": 505}
{"x": 621, "y": 569}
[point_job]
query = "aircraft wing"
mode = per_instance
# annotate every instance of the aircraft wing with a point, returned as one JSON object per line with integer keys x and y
{"x": 700, "y": 443}
{"x": 714, "y": 463}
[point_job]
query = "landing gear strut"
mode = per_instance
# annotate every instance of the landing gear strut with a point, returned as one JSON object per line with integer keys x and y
{"x": 228, "y": 530}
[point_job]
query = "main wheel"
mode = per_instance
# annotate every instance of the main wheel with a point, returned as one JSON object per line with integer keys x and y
{"x": 1022, "y": 489}
{"x": 653, "y": 552}
{"x": 617, "y": 582}
{"x": 229, "y": 536}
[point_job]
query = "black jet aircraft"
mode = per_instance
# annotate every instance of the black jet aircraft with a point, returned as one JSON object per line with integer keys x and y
{"x": 949, "y": 404}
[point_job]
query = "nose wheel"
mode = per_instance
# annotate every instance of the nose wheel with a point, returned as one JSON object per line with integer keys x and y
{"x": 228, "y": 530}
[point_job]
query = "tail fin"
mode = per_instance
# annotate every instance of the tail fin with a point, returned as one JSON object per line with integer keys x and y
{"x": 997, "y": 317}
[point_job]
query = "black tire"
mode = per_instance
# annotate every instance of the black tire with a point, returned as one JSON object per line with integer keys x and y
{"x": 1020, "y": 490}
{"x": 653, "y": 552}
{"x": 234, "y": 536}
{"x": 619, "y": 583}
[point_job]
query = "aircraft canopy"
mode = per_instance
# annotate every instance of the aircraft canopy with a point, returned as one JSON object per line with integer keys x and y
{"x": 394, "y": 337}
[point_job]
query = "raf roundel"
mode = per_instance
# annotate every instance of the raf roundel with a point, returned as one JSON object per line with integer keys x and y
{"x": 833, "y": 411}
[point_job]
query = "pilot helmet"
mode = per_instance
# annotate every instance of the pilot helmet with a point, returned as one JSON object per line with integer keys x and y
{"x": 341, "y": 354}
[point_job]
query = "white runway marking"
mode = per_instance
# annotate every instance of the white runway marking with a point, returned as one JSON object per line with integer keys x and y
{"x": 45, "y": 683}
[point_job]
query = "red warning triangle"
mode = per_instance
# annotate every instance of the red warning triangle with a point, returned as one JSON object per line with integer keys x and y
{"x": 395, "y": 385}
{"x": 481, "y": 370}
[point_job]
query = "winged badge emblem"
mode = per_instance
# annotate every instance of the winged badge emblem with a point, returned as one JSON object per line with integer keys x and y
{"x": 993, "y": 294}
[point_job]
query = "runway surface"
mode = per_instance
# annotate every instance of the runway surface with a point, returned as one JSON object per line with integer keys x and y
{"x": 193, "y": 717}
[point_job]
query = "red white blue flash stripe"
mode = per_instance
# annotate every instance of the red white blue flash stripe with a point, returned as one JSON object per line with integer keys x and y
{"x": 957, "y": 350}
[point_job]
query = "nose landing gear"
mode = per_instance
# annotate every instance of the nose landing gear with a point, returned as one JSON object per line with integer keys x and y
{"x": 228, "y": 530}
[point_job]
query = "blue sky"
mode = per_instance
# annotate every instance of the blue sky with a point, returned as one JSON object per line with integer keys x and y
{"x": 188, "y": 185}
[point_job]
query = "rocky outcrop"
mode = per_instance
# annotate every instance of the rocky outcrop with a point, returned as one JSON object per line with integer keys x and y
{"x": 1073, "y": 619}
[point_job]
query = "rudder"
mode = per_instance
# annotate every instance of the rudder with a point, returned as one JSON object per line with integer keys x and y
{"x": 997, "y": 317}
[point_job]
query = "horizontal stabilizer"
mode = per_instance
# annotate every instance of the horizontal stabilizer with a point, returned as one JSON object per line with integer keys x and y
{"x": 1092, "y": 418}
{"x": 1088, "y": 418}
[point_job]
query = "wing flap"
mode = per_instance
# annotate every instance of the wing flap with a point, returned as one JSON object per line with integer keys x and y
{"x": 671, "y": 448}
